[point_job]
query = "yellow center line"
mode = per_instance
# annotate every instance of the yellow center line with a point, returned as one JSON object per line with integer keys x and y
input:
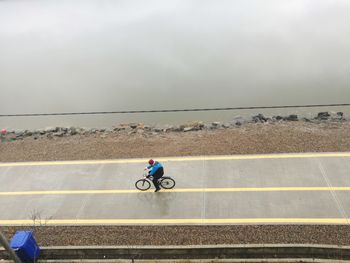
{"x": 183, "y": 221}
{"x": 182, "y": 159}
{"x": 181, "y": 190}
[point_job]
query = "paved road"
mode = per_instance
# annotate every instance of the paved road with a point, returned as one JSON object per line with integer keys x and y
{"x": 286, "y": 188}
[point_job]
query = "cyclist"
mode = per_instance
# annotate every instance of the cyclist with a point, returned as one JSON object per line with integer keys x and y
{"x": 157, "y": 171}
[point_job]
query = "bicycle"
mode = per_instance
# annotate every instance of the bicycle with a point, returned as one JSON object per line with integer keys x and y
{"x": 144, "y": 184}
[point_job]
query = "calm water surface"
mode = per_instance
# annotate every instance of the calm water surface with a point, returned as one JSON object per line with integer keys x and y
{"x": 92, "y": 55}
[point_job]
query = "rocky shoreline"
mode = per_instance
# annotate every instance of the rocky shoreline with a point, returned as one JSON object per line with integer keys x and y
{"x": 142, "y": 129}
{"x": 325, "y": 132}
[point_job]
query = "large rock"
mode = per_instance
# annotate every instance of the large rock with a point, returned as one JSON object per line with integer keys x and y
{"x": 62, "y": 129}
{"x": 182, "y": 127}
{"x": 292, "y": 117}
{"x": 121, "y": 127}
{"x": 277, "y": 118}
{"x": 28, "y": 133}
{"x": 187, "y": 129}
{"x": 58, "y": 134}
{"x": 133, "y": 125}
{"x": 72, "y": 131}
{"x": 198, "y": 125}
{"x": 323, "y": 116}
{"x": 259, "y": 118}
{"x": 194, "y": 126}
{"x": 337, "y": 116}
{"x": 19, "y": 133}
{"x": 50, "y": 129}
{"x": 177, "y": 128}
{"x": 238, "y": 121}
{"x": 140, "y": 131}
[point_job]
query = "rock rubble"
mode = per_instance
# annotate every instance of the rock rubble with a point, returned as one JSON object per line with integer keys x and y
{"x": 146, "y": 130}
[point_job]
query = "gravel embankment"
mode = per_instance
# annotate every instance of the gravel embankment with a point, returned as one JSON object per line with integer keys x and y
{"x": 284, "y": 137}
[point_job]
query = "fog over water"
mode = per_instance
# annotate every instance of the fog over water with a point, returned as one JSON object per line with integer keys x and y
{"x": 98, "y": 55}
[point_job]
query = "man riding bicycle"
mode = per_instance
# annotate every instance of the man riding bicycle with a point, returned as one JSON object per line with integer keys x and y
{"x": 156, "y": 170}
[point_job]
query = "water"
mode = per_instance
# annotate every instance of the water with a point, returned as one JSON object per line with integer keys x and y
{"x": 91, "y": 55}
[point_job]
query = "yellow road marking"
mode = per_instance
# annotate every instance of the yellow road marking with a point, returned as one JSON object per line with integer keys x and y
{"x": 182, "y": 190}
{"x": 178, "y": 159}
{"x": 180, "y": 221}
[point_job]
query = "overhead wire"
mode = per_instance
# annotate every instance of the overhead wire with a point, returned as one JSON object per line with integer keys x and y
{"x": 174, "y": 110}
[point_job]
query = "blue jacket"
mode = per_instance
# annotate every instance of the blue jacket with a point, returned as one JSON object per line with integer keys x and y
{"x": 154, "y": 168}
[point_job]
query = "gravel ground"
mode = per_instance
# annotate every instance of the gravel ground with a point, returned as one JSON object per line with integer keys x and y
{"x": 282, "y": 137}
{"x": 188, "y": 235}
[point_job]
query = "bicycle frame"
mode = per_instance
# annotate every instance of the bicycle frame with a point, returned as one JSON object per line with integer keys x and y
{"x": 149, "y": 180}
{"x": 145, "y": 175}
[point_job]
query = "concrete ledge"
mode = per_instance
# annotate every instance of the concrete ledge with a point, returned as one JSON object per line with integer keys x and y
{"x": 294, "y": 251}
{"x": 264, "y": 260}
{"x": 269, "y": 260}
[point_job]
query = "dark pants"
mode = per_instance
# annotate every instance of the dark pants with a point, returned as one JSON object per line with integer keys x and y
{"x": 158, "y": 174}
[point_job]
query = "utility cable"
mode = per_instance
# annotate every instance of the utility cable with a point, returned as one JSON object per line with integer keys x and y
{"x": 173, "y": 110}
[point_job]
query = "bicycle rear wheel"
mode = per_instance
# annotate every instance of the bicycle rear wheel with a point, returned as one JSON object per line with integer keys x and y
{"x": 143, "y": 184}
{"x": 167, "y": 183}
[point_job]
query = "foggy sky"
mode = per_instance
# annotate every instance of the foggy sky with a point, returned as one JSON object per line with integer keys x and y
{"x": 91, "y": 55}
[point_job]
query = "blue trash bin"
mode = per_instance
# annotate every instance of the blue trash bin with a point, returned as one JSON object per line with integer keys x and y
{"x": 25, "y": 246}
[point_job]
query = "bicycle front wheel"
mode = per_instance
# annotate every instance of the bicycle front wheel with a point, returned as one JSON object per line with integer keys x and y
{"x": 143, "y": 184}
{"x": 167, "y": 183}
